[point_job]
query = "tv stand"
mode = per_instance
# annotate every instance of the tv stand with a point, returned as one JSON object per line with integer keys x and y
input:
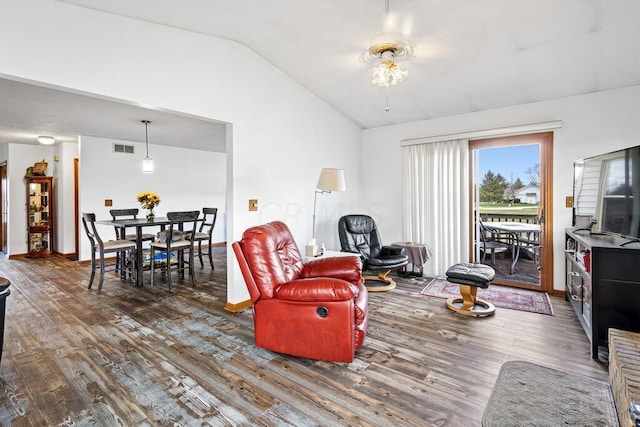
{"x": 603, "y": 287}
{"x": 631, "y": 240}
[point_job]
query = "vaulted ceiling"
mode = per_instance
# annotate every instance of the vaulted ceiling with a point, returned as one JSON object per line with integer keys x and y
{"x": 470, "y": 55}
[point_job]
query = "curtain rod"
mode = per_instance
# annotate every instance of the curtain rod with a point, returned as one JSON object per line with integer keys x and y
{"x": 486, "y": 133}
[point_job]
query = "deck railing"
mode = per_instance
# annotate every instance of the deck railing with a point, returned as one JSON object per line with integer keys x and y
{"x": 506, "y": 217}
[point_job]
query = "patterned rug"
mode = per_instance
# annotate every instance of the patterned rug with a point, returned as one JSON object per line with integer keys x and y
{"x": 500, "y": 296}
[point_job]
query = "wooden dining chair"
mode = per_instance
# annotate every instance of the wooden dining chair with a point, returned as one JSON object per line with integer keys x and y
{"x": 204, "y": 234}
{"x": 173, "y": 239}
{"x": 101, "y": 248}
{"x": 121, "y": 232}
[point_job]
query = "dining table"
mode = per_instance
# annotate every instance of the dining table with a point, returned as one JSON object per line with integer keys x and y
{"x": 518, "y": 233}
{"x": 139, "y": 224}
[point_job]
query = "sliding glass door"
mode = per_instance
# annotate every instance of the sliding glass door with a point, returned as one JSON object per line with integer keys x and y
{"x": 510, "y": 199}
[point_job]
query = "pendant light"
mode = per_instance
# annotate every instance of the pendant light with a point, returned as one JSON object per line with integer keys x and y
{"x": 147, "y": 162}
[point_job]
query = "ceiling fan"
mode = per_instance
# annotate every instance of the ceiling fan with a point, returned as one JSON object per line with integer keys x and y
{"x": 445, "y": 41}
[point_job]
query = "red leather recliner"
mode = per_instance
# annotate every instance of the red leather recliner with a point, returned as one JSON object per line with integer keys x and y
{"x": 317, "y": 310}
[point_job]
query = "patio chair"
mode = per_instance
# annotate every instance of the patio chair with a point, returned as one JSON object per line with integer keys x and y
{"x": 491, "y": 244}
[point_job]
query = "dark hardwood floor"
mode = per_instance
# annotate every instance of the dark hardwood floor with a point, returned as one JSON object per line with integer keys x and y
{"x": 150, "y": 356}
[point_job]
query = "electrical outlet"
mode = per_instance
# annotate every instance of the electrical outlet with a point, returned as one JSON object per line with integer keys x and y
{"x": 253, "y": 205}
{"x": 569, "y": 201}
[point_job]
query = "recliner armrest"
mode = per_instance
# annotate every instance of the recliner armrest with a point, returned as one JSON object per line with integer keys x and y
{"x": 391, "y": 251}
{"x": 347, "y": 268}
{"x": 317, "y": 289}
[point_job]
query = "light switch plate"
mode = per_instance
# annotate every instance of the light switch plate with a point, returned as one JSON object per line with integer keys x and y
{"x": 569, "y": 201}
{"x": 253, "y": 205}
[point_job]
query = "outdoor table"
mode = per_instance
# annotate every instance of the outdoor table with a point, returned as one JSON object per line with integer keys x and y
{"x": 515, "y": 230}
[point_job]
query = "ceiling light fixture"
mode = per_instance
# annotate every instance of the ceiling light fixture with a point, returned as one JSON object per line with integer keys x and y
{"x": 388, "y": 48}
{"x": 388, "y": 72}
{"x": 147, "y": 162}
{"x": 46, "y": 139}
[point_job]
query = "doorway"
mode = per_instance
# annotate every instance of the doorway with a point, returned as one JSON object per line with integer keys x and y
{"x": 511, "y": 199}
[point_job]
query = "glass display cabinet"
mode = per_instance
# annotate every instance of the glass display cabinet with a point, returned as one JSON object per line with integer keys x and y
{"x": 39, "y": 215}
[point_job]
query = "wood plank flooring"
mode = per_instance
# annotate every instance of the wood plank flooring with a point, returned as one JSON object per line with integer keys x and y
{"x": 149, "y": 356}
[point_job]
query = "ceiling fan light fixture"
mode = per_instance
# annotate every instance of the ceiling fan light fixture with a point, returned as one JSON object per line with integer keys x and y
{"x": 46, "y": 139}
{"x": 395, "y": 43}
{"x": 388, "y": 72}
{"x": 389, "y": 48}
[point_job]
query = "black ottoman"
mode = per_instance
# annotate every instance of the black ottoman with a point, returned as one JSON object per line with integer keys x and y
{"x": 470, "y": 277}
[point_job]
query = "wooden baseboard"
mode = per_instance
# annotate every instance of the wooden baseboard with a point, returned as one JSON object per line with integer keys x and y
{"x": 234, "y": 308}
{"x": 70, "y": 257}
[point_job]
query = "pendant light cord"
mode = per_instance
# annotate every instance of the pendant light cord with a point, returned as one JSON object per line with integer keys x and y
{"x": 146, "y": 135}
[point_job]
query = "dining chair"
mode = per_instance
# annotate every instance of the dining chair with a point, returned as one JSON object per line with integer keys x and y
{"x": 174, "y": 239}
{"x": 205, "y": 232}
{"x": 101, "y": 248}
{"x": 121, "y": 231}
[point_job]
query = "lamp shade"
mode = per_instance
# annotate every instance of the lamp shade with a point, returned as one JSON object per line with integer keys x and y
{"x": 331, "y": 180}
{"x": 147, "y": 165}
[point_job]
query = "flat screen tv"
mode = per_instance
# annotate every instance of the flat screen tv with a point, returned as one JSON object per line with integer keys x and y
{"x": 607, "y": 191}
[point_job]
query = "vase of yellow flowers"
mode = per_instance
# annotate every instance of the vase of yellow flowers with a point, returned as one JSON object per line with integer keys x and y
{"x": 148, "y": 200}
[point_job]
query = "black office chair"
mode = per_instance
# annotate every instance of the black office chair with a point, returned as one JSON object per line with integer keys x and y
{"x": 98, "y": 246}
{"x": 174, "y": 239}
{"x": 205, "y": 232}
{"x": 359, "y": 234}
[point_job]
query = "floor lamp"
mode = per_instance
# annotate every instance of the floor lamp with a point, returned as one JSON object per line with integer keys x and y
{"x": 330, "y": 180}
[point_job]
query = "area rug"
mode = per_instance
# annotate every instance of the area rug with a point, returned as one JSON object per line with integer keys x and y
{"x": 500, "y": 296}
{"x": 526, "y": 394}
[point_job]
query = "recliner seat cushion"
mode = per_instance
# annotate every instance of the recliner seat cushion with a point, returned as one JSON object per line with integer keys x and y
{"x": 386, "y": 262}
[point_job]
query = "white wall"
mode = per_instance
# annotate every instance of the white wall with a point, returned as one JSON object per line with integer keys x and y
{"x": 64, "y": 202}
{"x": 591, "y": 124}
{"x": 281, "y": 135}
{"x": 184, "y": 179}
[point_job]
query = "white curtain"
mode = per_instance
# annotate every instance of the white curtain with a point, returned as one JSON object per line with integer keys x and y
{"x": 435, "y": 201}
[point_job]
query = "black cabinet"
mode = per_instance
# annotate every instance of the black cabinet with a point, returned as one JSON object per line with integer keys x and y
{"x": 603, "y": 285}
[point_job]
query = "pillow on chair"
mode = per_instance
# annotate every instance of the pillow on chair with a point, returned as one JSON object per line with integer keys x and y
{"x": 161, "y": 237}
